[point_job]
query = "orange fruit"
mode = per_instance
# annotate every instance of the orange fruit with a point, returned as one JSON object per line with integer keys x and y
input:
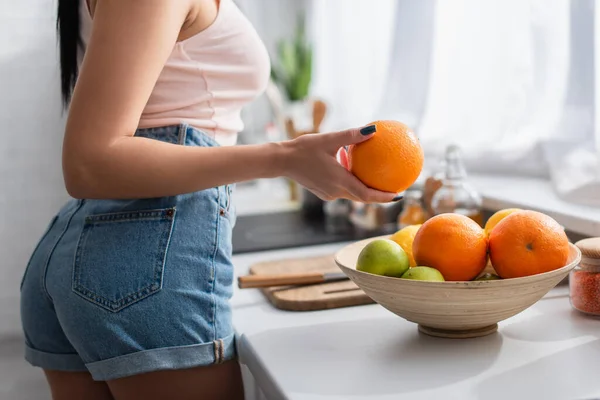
{"x": 390, "y": 161}
{"x": 528, "y": 243}
{"x": 497, "y": 217}
{"x": 405, "y": 237}
{"x": 453, "y": 244}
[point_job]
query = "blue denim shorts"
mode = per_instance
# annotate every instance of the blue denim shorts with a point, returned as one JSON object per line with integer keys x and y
{"x": 124, "y": 287}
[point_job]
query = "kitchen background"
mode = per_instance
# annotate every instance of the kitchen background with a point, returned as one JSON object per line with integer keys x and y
{"x": 513, "y": 83}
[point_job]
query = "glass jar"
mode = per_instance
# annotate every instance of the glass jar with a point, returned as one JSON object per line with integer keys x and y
{"x": 584, "y": 280}
{"x": 412, "y": 210}
{"x": 456, "y": 195}
{"x": 432, "y": 184}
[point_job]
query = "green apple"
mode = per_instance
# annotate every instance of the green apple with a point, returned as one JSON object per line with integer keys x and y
{"x": 424, "y": 274}
{"x": 383, "y": 257}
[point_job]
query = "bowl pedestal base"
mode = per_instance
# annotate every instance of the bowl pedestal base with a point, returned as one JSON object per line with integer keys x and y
{"x": 452, "y": 334}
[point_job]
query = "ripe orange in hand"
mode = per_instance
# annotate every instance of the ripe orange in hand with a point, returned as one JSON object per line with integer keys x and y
{"x": 390, "y": 161}
{"x": 528, "y": 243}
{"x": 497, "y": 217}
{"x": 453, "y": 244}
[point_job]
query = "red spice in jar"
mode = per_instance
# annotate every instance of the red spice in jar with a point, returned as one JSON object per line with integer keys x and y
{"x": 584, "y": 280}
{"x": 585, "y": 291}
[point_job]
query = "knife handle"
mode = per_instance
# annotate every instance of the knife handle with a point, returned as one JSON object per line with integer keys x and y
{"x": 257, "y": 281}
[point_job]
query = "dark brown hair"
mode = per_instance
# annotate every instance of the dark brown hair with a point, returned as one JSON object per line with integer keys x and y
{"x": 67, "y": 26}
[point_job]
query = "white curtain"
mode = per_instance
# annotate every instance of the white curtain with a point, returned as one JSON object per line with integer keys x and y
{"x": 352, "y": 52}
{"x": 509, "y": 81}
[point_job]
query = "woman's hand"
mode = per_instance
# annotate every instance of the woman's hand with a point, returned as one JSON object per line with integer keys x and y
{"x": 311, "y": 161}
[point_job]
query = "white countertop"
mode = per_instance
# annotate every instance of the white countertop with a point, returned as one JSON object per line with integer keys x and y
{"x": 546, "y": 352}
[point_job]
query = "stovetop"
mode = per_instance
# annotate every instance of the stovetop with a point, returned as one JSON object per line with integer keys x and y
{"x": 290, "y": 229}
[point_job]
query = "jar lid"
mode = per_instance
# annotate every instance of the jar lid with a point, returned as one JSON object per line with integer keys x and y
{"x": 590, "y": 251}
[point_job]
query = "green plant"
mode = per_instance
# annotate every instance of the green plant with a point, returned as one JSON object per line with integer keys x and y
{"x": 294, "y": 70}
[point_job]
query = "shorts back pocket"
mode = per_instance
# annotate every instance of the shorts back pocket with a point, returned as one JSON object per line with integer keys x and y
{"x": 120, "y": 257}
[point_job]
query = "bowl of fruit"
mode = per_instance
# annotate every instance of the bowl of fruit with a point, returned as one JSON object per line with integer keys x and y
{"x": 458, "y": 280}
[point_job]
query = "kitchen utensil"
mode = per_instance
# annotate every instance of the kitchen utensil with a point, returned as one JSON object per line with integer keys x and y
{"x": 319, "y": 110}
{"x": 453, "y": 309}
{"x": 302, "y": 278}
{"x": 309, "y": 297}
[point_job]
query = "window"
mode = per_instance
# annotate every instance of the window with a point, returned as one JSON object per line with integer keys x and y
{"x": 510, "y": 81}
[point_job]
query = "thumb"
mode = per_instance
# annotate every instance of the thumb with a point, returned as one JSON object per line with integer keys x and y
{"x": 349, "y": 136}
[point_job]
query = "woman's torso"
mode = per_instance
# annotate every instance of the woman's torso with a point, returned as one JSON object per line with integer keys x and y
{"x": 208, "y": 78}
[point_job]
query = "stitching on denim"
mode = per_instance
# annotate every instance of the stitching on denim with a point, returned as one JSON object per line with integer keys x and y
{"x": 227, "y": 208}
{"x": 135, "y": 215}
{"x": 35, "y": 250}
{"x": 123, "y": 303}
{"x": 167, "y": 246}
{"x": 79, "y": 253}
{"x": 213, "y": 272}
{"x": 116, "y": 221}
{"x": 165, "y": 242}
{"x": 45, "y": 270}
{"x": 133, "y": 297}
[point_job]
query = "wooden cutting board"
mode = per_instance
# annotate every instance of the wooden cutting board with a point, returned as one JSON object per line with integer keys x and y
{"x": 309, "y": 297}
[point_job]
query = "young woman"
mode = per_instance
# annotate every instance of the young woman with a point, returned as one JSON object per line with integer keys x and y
{"x": 126, "y": 294}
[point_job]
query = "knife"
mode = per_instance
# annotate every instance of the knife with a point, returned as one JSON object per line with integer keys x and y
{"x": 304, "y": 278}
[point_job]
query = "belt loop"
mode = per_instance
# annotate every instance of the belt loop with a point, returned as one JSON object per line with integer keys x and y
{"x": 217, "y": 349}
{"x": 221, "y": 351}
{"x": 183, "y": 128}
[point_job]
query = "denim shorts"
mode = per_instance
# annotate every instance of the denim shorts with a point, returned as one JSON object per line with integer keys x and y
{"x": 124, "y": 287}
